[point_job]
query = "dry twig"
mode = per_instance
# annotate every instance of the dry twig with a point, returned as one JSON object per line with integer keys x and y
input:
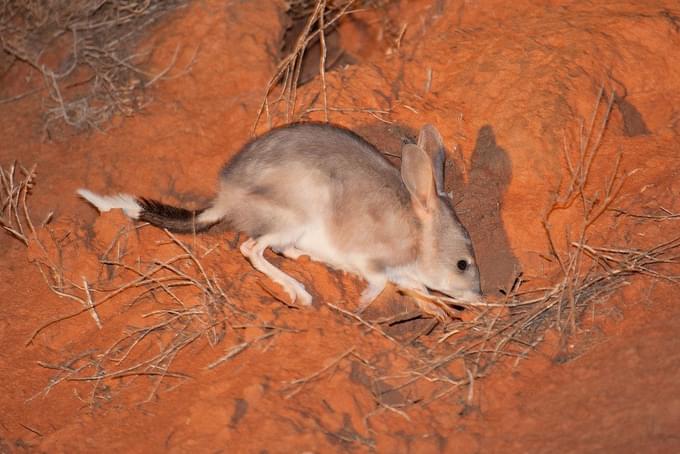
{"x": 15, "y": 185}
{"x": 148, "y": 350}
{"x": 288, "y": 70}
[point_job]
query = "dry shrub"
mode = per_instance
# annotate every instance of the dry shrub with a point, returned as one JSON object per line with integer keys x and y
{"x": 170, "y": 304}
{"x": 321, "y": 17}
{"x": 186, "y": 303}
{"x": 84, "y": 53}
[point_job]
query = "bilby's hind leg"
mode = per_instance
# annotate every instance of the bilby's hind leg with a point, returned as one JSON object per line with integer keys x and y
{"x": 253, "y": 250}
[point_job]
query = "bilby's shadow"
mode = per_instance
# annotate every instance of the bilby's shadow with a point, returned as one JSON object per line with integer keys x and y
{"x": 478, "y": 203}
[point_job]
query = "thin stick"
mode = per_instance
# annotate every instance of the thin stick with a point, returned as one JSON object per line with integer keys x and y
{"x": 90, "y": 304}
{"x": 300, "y": 382}
{"x": 322, "y": 63}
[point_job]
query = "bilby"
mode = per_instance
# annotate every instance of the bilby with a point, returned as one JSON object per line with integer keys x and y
{"x": 323, "y": 191}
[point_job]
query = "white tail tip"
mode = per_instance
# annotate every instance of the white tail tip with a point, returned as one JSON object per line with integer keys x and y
{"x": 103, "y": 203}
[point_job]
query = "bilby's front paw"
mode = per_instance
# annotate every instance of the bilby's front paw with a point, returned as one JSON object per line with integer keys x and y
{"x": 432, "y": 309}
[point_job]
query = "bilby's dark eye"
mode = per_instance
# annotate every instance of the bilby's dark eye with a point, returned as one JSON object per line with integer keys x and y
{"x": 462, "y": 265}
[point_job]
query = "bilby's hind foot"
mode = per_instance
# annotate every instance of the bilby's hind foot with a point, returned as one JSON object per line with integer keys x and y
{"x": 253, "y": 250}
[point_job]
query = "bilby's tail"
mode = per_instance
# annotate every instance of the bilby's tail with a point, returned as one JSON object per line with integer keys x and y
{"x": 175, "y": 219}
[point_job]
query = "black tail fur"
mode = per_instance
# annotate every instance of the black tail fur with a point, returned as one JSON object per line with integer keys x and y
{"x": 175, "y": 219}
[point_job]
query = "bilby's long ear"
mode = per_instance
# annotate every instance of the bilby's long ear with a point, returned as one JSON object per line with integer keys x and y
{"x": 431, "y": 142}
{"x": 416, "y": 172}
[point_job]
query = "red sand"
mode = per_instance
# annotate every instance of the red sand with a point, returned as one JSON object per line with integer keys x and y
{"x": 506, "y": 84}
